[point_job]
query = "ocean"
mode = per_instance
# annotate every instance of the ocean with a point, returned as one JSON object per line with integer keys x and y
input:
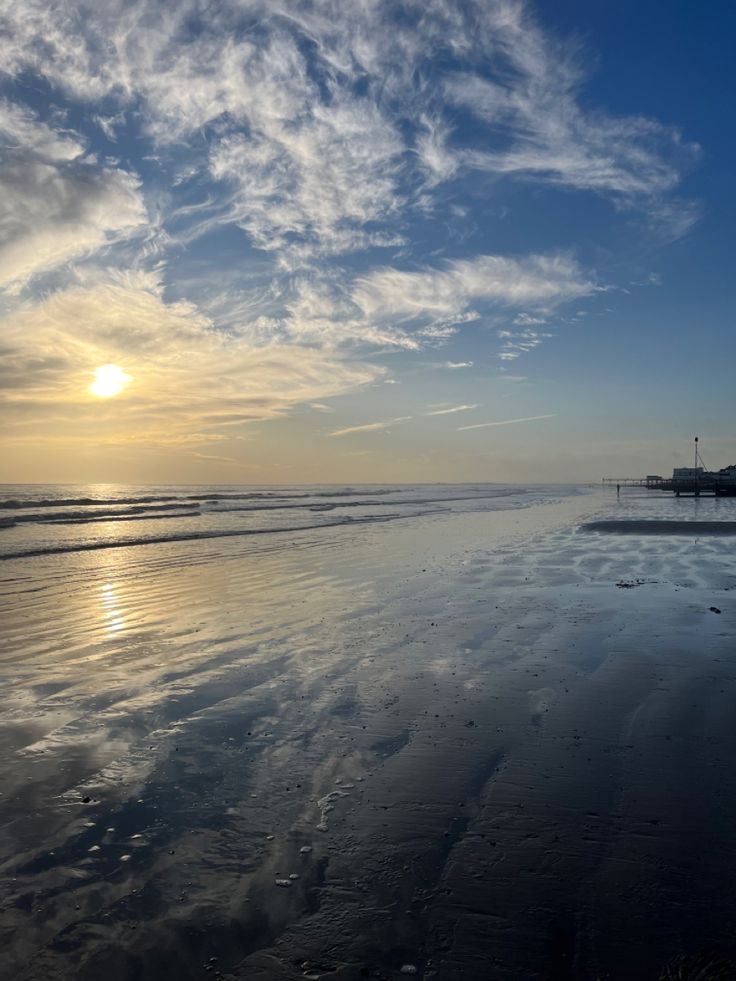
{"x": 42, "y": 519}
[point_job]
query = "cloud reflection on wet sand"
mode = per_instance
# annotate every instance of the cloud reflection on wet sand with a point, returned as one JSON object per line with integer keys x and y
{"x": 443, "y": 744}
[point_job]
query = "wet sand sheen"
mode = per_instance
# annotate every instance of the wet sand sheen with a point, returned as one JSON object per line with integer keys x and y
{"x": 456, "y": 746}
{"x": 661, "y": 527}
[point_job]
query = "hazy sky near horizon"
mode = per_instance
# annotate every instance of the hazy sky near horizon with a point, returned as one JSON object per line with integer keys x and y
{"x": 354, "y": 240}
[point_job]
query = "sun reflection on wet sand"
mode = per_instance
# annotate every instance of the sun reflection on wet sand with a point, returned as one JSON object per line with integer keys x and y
{"x": 112, "y": 612}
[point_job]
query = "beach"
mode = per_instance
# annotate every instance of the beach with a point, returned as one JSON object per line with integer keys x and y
{"x": 447, "y": 732}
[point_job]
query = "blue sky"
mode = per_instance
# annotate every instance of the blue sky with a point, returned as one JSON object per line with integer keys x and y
{"x": 365, "y": 240}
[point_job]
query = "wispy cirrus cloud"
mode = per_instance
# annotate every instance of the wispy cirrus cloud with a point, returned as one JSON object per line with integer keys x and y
{"x": 322, "y": 179}
{"x": 506, "y": 422}
{"x": 300, "y": 182}
{"x": 189, "y": 380}
{"x": 451, "y": 410}
{"x": 518, "y": 342}
{"x": 546, "y": 135}
{"x": 447, "y": 291}
{"x": 370, "y": 427}
{"x": 323, "y": 121}
{"x": 55, "y": 204}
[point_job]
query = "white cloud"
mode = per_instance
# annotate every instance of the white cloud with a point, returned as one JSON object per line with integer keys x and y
{"x": 306, "y": 159}
{"x": 321, "y": 178}
{"x": 327, "y": 121}
{"x": 451, "y": 410}
{"x": 516, "y": 343}
{"x": 321, "y": 310}
{"x": 458, "y": 364}
{"x": 438, "y": 161}
{"x": 527, "y": 320}
{"x": 189, "y": 380}
{"x": 543, "y": 133}
{"x": 55, "y": 205}
{"x": 50, "y": 214}
{"x": 537, "y": 279}
{"x": 22, "y": 131}
{"x": 370, "y": 427}
{"x": 505, "y": 422}
{"x": 391, "y": 309}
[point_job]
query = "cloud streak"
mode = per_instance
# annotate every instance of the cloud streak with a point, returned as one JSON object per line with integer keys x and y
{"x": 370, "y": 427}
{"x": 505, "y": 422}
{"x": 546, "y": 135}
{"x": 448, "y": 291}
{"x": 453, "y": 409}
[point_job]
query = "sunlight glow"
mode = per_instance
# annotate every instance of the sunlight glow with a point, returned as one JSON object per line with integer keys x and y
{"x": 113, "y": 614}
{"x": 109, "y": 380}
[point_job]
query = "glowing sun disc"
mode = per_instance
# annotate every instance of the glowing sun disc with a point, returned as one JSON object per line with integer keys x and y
{"x": 109, "y": 380}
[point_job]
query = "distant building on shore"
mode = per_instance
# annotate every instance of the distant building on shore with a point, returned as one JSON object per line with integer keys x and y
{"x": 685, "y": 480}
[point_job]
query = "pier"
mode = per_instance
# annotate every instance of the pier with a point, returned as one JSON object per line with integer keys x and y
{"x": 695, "y": 480}
{"x": 700, "y": 486}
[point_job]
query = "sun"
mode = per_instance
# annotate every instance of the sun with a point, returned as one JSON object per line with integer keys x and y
{"x": 109, "y": 380}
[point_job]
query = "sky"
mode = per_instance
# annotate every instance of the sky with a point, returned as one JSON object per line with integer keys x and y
{"x": 365, "y": 241}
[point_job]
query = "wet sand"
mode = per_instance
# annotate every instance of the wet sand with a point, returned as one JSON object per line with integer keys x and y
{"x": 480, "y": 745}
{"x": 662, "y": 527}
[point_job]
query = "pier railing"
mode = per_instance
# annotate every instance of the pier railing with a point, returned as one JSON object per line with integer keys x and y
{"x": 705, "y": 484}
{"x": 654, "y": 483}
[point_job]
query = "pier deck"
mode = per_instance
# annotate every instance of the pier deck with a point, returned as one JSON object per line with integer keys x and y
{"x": 700, "y": 487}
